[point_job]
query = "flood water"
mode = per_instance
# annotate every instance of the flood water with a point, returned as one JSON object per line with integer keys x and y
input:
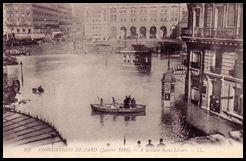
{"x": 72, "y": 82}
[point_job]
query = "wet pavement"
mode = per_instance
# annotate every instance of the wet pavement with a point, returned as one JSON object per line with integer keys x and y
{"x": 72, "y": 82}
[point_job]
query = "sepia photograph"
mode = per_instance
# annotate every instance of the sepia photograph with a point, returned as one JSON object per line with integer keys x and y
{"x": 96, "y": 80}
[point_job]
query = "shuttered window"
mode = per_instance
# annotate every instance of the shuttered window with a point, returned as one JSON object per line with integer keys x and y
{"x": 208, "y": 16}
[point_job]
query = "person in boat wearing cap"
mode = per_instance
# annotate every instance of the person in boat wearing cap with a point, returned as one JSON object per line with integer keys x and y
{"x": 126, "y": 102}
{"x": 133, "y": 103}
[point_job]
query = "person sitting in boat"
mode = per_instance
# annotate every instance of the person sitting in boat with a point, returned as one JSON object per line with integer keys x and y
{"x": 128, "y": 58}
{"x": 40, "y": 89}
{"x": 124, "y": 58}
{"x": 126, "y": 102}
{"x": 130, "y": 101}
{"x": 133, "y": 103}
{"x": 114, "y": 104}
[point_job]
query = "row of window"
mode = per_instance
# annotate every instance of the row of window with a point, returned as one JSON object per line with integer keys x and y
{"x": 96, "y": 20}
{"x": 143, "y": 9}
{"x": 24, "y": 31}
{"x": 20, "y": 15}
{"x": 151, "y": 19}
{"x": 96, "y": 35}
{"x": 221, "y": 12}
{"x": 17, "y": 8}
{"x": 96, "y": 27}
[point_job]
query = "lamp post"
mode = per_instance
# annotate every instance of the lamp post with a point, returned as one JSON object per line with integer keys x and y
{"x": 179, "y": 21}
{"x": 22, "y": 78}
{"x": 45, "y": 26}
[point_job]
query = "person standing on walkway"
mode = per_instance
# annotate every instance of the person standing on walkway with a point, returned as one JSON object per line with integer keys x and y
{"x": 149, "y": 144}
{"x": 161, "y": 144}
{"x": 139, "y": 143}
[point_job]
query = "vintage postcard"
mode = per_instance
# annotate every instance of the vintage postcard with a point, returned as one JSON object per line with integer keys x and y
{"x": 123, "y": 80}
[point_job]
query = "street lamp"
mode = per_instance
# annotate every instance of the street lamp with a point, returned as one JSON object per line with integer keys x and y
{"x": 45, "y": 25}
{"x": 22, "y": 79}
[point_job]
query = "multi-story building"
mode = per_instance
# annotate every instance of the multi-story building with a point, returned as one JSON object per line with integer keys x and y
{"x": 214, "y": 39}
{"x": 96, "y": 22}
{"x": 19, "y": 18}
{"x": 27, "y": 18}
{"x": 64, "y": 12}
{"x": 4, "y": 20}
{"x": 44, "y": 16}
{"x": 122, "y": 20}
{"x": 78, "y": 18}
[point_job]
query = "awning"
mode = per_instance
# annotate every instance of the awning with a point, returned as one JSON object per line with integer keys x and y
{"x": 128, "y": 49}
{"x": 56, "y": 33}
{"x": 136, "y": 48}
{"x": 29, "y": 36}
{"x": 22, "y": 36}
{"x": 37, "y": 36}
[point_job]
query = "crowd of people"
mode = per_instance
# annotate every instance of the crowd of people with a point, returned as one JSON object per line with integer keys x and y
{"x": 148, "y": 145}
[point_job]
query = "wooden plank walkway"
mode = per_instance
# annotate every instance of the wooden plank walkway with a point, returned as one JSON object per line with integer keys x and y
{"x": 21, "y": 129}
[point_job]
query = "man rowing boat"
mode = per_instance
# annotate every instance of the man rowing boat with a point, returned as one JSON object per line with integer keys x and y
{"x": 101, "y": 101}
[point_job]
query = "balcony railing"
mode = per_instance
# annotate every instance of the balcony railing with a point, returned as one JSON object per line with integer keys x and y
{"x": 226, "y": 33}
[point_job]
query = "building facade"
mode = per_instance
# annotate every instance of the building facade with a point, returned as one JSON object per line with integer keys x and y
{"x": 214, "y": 39}
{"x": 78, "y": 18}
{"x": 18, "y": 18}
{"x": 127, "y": 21}
{"x": 27, "y": 18}
{"x": 4, "y": 19}
{"x": 96, "y": 23}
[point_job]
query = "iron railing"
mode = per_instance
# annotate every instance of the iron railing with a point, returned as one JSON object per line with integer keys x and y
{"x": 226, "y": 33}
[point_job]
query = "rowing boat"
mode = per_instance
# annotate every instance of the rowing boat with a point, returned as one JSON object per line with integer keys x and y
{"x": 119, "y": 109}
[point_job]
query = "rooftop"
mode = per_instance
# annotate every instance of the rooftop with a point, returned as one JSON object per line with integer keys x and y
{"x": 168, "y": 77}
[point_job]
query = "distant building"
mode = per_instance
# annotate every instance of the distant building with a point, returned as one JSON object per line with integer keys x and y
{"x": 78, "y": 18}
{"x": 4, "y": 20}
{"x": 122, "y": 21}
{"x": 96, "y": 23}
{"x": 214, "y": 39}
{"x": 19, "y": 18}
{"x": 28, "y": 18}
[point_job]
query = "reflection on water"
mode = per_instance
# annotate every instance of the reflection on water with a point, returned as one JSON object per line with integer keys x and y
{"x": 174, "y": 120}
{"x": 116, "y": 117}
{"x": 73, "y": 82}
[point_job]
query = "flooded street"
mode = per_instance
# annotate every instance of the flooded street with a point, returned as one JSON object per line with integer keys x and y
{"x": 72, "y": 82}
